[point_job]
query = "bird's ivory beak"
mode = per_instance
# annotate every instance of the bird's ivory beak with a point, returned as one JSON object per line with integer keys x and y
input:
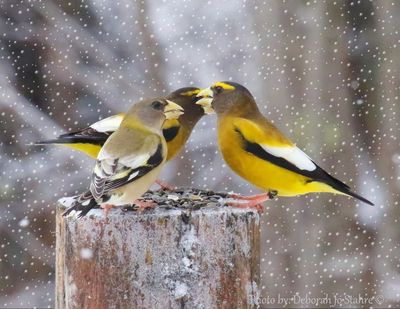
{"x": 206, "y": 96}
{"x": 172, "y": 110}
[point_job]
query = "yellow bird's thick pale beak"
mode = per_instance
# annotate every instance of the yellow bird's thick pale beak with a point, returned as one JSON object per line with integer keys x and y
{"x": 172, "y": 110}
{"x": 206, "y": 96}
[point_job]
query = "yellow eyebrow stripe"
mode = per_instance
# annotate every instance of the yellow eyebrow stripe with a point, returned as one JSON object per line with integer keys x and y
{"x": 190, "y": 93}
{"x": 223, "y": 85}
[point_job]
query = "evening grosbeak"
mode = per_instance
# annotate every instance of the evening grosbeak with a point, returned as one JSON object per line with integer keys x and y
{"x": 176, "y": 131}
{"x": 256, "y": 150}
{"x": 131, "y": 158}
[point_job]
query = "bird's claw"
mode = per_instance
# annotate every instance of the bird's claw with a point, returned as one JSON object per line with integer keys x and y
{"x": 272, "y": 194}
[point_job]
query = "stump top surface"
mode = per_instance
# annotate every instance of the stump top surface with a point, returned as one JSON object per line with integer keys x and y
{"x": 170, "y": 203}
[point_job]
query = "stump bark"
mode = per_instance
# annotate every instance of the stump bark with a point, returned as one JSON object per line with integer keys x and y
{"x": 162, "y": 258}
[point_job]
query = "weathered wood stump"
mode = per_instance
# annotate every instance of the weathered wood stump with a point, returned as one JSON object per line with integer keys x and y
{"x": 181, "y": 257}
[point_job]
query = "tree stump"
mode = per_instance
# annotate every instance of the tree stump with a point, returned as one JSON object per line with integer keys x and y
{"x": 190, "y": 252}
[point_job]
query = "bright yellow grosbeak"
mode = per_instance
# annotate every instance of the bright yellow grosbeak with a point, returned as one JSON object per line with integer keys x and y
{"x": 256, "y": 150}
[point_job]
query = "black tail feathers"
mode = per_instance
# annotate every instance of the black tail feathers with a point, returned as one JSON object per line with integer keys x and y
{"x": 358, "y": 197}
{"x": 340, "y": 186}
{"x": 83, "y": 204}
{"x": 87, "y": 136}
{"x": 51, "y": 142}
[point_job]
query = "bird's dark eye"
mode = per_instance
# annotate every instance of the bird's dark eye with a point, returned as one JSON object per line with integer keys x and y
{"x": 157, "y": 105}
{"x": 218, "y": 89}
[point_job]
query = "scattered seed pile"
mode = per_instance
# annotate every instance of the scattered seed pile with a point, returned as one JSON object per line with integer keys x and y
{"x": 183, "y": 198}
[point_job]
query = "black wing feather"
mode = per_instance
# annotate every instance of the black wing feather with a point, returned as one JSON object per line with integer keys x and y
{"x": 316, "y": 175}
{"x": 97, "y": 184}
{"x": 155, "y": 160}
{"x": 85, "y": 136}
{"x": 79, "y": 205}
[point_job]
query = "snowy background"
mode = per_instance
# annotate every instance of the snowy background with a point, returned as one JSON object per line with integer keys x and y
{"x": 326, "y": 72}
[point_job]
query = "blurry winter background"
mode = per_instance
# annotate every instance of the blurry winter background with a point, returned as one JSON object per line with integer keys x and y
{"x": 326, "y": 72}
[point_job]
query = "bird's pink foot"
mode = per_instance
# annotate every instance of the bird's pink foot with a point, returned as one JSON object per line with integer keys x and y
{"x": 164, "y": 185}
{"x": 250, "y": 204}
{"x": 143, "y": 205}
{"x": 258, "y": 197}
{"x": 106, "y": 208}
{"x": 252, "y": 201}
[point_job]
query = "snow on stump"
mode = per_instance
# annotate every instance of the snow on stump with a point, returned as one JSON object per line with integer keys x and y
{"x": 189, "y": 252}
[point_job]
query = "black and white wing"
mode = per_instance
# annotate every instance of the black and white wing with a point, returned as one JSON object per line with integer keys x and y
{"x": 95, "y": 134}
{"x": 111, "y": 173}
{"x": 292, "y": 158}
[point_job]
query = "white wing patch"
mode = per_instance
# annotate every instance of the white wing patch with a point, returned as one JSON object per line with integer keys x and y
{"x": 135, "y": 161}
{"x": 293, "y": 155}
{"x": 133, "y": 175}
{"x": 109, "y": 124}
{"x": 132, "y": 161}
